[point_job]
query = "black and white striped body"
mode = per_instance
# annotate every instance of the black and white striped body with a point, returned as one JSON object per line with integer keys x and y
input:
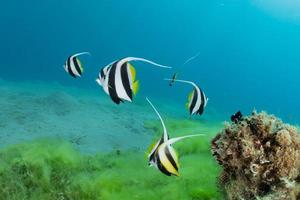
{"x": 198, "y": 102}
{"x": 73, "y": 65}
{"x": 118, "y": 79}
{"x": 165, "y": 159}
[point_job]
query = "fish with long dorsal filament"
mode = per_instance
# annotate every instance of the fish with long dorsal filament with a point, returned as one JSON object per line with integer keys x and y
{"x": 73, "y": 65}
{"x": 197, "y": 99}
{"x": 118, "y": 79}
{"x": 163, "y": 156}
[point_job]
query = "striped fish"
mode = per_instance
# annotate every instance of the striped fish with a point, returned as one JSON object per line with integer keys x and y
{"x": 73, "y": 65}
{"x": 163, "y": 156}
{"x": 118, "y": 79}
{"x": 197, "y": 100}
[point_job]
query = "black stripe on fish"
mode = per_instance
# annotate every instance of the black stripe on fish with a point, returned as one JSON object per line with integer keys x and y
{"x": 194, "y": 101}
{"x": 151, "y": 157}
{"x": 69, "y": 67}
{"x": 112, "y": 86}
{"x": 201, "y": 109}
{"x": 125, "y": 80}
{"x": 161, "y": 167}
{"x": 170, "y": 158}
{"x": 102, "y": 73}
{"x": 76, "y": 64}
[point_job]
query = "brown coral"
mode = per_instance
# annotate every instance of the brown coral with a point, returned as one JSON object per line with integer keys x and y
{"x": 260, "y": 157}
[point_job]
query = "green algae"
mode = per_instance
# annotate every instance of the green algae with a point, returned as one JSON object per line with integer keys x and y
{"x": 56, "y": 170}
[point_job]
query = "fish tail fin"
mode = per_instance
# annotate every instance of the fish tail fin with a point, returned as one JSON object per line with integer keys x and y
{"x": 190, "y": 97}
{"x": 128, "y": 59}
{"x": 80, "y": 64}
{"x": 132, "y": 71}
{"x": 174, "y": 140}
{"x": 206, "y": 101}
{"x": 165, "y": 136}
{"x": 135, "y": 87}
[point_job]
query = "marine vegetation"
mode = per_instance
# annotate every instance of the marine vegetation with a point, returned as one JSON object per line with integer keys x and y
{"x": 260, "y": 157}
{"x": 55, "y": 170}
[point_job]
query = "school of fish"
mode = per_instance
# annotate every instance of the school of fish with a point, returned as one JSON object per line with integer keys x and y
{"x": 118, "y": 80}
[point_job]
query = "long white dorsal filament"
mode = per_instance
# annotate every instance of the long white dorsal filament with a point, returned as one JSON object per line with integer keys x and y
{"x": 173, "y": 140}
{"x": 191, "y": 58}
{"x": 128, "y": 59}
{"x": 161, "y": 120}
{"x": 82, "y": 53}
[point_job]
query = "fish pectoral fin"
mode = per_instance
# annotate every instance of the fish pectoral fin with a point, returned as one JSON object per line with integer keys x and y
{"x": 135, "y": 87}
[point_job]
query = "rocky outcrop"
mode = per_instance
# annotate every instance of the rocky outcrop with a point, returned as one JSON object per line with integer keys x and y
{"x": 260, "y": 157}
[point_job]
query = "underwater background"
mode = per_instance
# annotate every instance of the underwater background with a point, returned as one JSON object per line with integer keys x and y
{"x": 63, "y": 138}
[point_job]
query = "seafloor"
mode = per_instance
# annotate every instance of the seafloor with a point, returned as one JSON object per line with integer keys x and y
{"x": 67, "y": 143}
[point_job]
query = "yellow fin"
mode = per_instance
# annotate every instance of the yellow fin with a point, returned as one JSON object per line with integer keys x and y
{"x": 174, "y": 153}
{"x": 151, "y": 146}
{"x": 168, "y": 165}
{"x": 187, "y": 105}
{"x": 191, "y": 94}
{"x": 133, "y": 72}
{"x": 80, "y": 64}
{"x": 176, "y": 159}
{"x": 135, "y": 87}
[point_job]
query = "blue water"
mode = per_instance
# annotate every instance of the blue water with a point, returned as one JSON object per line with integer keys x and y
{"x": 249, "y": 55}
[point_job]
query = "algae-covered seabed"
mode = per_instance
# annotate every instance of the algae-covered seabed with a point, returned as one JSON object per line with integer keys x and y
{"x": 64, "y": 143}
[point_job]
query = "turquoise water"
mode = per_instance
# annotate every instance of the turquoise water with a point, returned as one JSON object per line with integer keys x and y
{"x": 248, "y": 51}
{"x": 247, "y": 58}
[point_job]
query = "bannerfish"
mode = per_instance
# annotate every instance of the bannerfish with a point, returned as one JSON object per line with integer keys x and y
{"x": 174, "y": 77}
{"x": 73, "y": 66}
{"x": 118, "y": 79}
{"x": 163, "y": 156}
{"x": 197, "y": 100}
